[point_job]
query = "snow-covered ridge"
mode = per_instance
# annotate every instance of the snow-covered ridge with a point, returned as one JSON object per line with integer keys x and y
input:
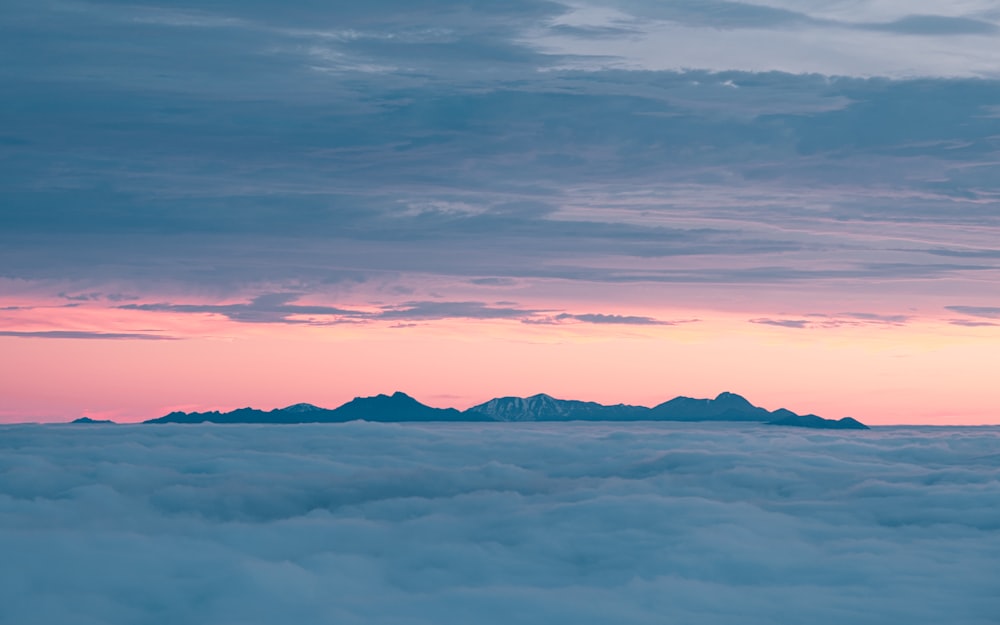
{"x": 535, "y": 408}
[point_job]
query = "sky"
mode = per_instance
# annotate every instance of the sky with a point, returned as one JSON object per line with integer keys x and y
{"x": 214, "y": 204}
{"x": 590, "y": 523}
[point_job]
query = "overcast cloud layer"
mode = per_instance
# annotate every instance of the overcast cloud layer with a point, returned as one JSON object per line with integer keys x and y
{"x": 375, "y": 523}
{"x": 388, "y": 150}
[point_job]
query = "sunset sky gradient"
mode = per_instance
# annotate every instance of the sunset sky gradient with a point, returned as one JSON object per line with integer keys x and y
{"x": 212, "y": 204}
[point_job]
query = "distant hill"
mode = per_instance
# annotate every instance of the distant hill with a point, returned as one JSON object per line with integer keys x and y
{"x": 544, "y": 407}
{"x": 398, "y": 407}
{"x": 89, "y": 421}
{"x": 395, "y": 408}
{"x": 401, "y": 408}
{"x": 812, "y": 421}
{"x": 725, "y": 407}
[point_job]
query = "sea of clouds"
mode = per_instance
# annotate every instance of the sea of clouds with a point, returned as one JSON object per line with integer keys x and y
{"x": 477, "y": 524}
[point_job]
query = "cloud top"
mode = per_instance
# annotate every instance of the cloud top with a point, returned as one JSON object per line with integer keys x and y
{"x": 455, "y": 524}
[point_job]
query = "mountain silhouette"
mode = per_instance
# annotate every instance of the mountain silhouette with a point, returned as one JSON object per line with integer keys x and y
{"x": 544, "y": 407}
{"x": 398, "y": 407}
{"x": 395, "y": 408}
{"x": 401, "y": 408}
{"x": 812, "y": 421}
{"x": 89, "y": 421}
{"x": 725, "y": 407}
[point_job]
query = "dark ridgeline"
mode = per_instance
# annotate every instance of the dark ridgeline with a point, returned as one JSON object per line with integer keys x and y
{"x": 395, "y": 408}
{"x": 401, "y": 408}
{"x": 89, "y": 421}
{"x": 812, "y": 421}
{"x": 725, "y": 407}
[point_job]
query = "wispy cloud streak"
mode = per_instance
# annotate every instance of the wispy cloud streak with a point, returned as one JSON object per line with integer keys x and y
{"x": 81, "y": 334}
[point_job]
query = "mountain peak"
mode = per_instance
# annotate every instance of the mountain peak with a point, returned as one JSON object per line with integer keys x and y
{"x": 542, "y": 396}
{"x": 732, "y": 398}
{"x": 89, "y": 421}
{"x": 538, "y": 407}
{"x": 396, "y": 397}
{"x": 303, "y": 407}
{"x": 396, "y": 407}
{"x": 544, "y": 407}
{"x": 725, "y": 407}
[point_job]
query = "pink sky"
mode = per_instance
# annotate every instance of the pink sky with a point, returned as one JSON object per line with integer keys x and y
{"x": 924, "y": 371}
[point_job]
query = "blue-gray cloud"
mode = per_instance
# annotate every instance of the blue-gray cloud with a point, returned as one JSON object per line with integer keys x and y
{"x": 432, "y": 310}
{"x": 614, "y": 319}
{"x": 493, "y": 524}
{"x": 970, "y": 323}
{"x": 736, "y": 15}
{"x": 282, "y": 308}
{"x": 823, "y": 320}
{"x": 229, "y": 148}
{"x": 783, "y": 323}
{"x": 96, "y": 296}
{"x": 876, "y": 317}
{"x": 989, "y": 312}
{"x": 937, "y": 25}
{"x": 965, "y": 253}
{"x": 266, "y": 308}
{"x": 79, "y": 334}
{"x": 718, "y": 13}
{"x": 493, "y": 281}
{"x": 600, "y": 318}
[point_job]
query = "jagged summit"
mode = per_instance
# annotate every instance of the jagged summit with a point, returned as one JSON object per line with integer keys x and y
{"x": 535, "y": 408}
{"x": 300, "y": 408}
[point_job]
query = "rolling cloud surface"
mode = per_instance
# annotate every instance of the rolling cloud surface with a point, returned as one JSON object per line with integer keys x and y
{"x": 589, "y": 523}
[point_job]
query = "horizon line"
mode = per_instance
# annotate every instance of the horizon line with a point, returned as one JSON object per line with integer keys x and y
{"x": 98, "y": 416}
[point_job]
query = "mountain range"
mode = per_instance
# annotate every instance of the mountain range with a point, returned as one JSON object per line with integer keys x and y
{"x": 400, "y": 408}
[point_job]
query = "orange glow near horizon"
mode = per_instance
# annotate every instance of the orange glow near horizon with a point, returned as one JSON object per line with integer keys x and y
{"x": 924, "y": 372}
